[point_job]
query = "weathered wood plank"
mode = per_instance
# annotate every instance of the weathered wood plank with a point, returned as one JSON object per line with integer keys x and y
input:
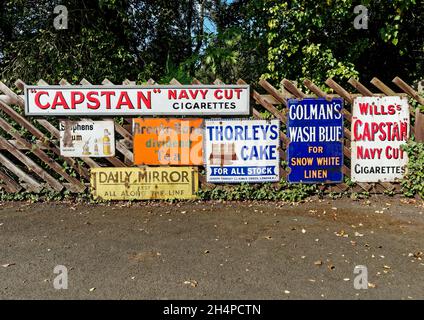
{"x": 382, "y": 87}
{"x": 32, "y": 184}
{"x": 293, "y": 89}
{"x": 9, "y": 184}
{"x": 408, "y": 90}
{"x": 419, "y": 126}
{"x": 31, "y": 165}
{"x": 276, "y": 94}
{"x": 77, "y": 186}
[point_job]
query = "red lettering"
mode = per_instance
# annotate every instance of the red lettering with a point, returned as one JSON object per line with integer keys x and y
{"x": 203, "y": 93}
{"x": 124, "y": 100}
{"x": 218, "y": 94}
{"x": 183, "y": 95}
{"x": 59, "y": 100}
{"x": 37, "y": 100}
{"x": 172, "y": 94}
{"x": 108, "y": 94}
{"x": 76, "y": 98}
{"x": 238, "y": 93}
{"x": 363, "y": 108}
{"x": 356, "y": 126}
{"x": 92, "y": 96}
{"x": 147, "y": 101}
{"x": 193, "y": 93}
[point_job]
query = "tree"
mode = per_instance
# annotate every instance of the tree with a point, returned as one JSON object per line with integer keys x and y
{"x": 317, "y": 39}
{"x": 113, "y": 39}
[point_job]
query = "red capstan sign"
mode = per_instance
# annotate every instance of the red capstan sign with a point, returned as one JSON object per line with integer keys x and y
{"x": 137, "y": 100}
{"x": 380, "y": 125}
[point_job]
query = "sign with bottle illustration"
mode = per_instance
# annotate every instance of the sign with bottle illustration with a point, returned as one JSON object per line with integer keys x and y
{"x": 87, "y": 138}
{"x": 144, "y": 183}
{"x": 163, "y": 141}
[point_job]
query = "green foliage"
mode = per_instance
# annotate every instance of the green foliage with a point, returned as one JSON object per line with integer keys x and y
{"x": 283, "y": 192}
{"x": 413, "y": 183}
{"x": 317, "y": 40}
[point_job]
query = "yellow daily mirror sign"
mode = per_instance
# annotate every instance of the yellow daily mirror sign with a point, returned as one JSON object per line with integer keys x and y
{"x": 144, "y": 183}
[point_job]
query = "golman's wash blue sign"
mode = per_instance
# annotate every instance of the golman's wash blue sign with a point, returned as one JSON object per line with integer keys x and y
{"x": 242, "y": 150}
{"x": 315, "y": 130}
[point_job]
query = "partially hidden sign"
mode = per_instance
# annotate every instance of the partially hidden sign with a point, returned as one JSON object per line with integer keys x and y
{"x": 242, "y": 150}
{"x": 87, "y": 138}
{"x": 380, "y": 125}
{"x": 168, "y": 141}
{"x": 144, "y": 183}
{"x": 137, "y": 100}
{"x": 315, "y": 130}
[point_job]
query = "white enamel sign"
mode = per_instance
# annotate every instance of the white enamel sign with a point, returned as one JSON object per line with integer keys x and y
{"x": 137, "y": 100}
{"x": 87, "y": 138}
{"x": 242, "y": 150}
{"x": 380, "y": 125}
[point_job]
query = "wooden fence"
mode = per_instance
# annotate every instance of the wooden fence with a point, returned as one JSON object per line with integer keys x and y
{"x": 29, "y": 148}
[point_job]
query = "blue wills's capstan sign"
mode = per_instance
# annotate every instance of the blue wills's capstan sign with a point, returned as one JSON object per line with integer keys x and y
{"x": 315, "y": 130}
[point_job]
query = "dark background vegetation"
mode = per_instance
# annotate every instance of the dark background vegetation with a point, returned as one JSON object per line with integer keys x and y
{"x": 208, "y": 39}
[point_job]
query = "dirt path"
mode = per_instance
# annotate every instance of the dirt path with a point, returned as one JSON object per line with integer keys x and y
{"x": 214, "y": 250}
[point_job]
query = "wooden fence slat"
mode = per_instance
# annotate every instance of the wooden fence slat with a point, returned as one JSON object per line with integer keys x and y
{"x": 42, "y": 156}
{"x": 33, "y": 185}
{"x": 273, "y": 92}
{"x": 360, "y": 87}
{"x": 293, "y": 89}
{"x": 8, "y": 183}
{"x": 18, "y": 145}
{"x": 123, "y": 149}
{"x": 419, "y": 126}
{"x": 408, "y": 90}
{"x": 382, "y": 87}
{"x": 315, "y": 89}
{"x": 339, "y": 89}
{"x": 31, "y": 165}
{"x": 37, "y": 133}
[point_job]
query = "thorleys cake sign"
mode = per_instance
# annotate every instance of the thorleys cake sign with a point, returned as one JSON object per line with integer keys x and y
{"x": 242, "y": 150}
{"x": 380, "y": 125}
{"x": 137, "y": 100}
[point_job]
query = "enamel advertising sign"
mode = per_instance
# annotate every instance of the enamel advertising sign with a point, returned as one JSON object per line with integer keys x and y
{"x": 315, "y": 130}
{"x": 137, "y": 100}
{"x": 242, "y": 150}
{"x": 144, "y": 183}
{"x": 380, "y": 125}
{"x": 168, "y": 141}
{"x": 87, "y": 138}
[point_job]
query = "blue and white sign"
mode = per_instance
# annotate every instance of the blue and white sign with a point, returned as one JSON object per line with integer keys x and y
{"x": 315, "y": 130}
{"x": 242, "y": 150}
